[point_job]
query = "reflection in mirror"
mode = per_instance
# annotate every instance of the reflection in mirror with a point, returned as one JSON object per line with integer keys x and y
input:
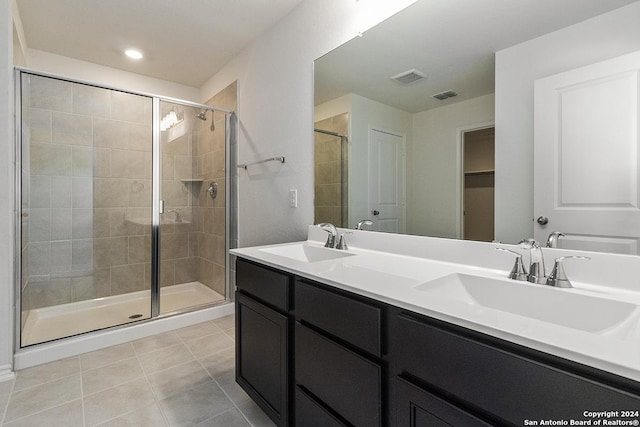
{"x": 431, "y": 84}
{"x": 330, "y": 164}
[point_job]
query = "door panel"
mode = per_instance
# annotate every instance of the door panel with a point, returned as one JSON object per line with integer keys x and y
{"x": 86, "y": 207}
{"x": 386, "y": 181}
{"x": 586, "y": 156}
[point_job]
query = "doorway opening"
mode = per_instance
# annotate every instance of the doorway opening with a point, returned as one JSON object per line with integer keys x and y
{"x": 478, "y": 184}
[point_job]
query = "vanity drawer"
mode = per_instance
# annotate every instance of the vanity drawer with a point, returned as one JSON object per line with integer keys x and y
{"x": 310, "y": 413}
{"x": 495, "y": 380}
{"x": 268, "y": 285}
{"x": 353, "y": 321}
{"x": 344, "y": 381}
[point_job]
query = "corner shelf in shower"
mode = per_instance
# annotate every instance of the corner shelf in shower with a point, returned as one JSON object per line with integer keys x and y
{"x": 187, "y": 181}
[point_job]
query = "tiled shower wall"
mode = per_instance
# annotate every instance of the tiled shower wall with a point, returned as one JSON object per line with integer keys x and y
{"x": 330, "y": 178}
{"x": 88, "y": 157}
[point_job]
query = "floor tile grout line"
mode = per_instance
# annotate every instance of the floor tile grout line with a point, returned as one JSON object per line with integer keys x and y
{"x": 153, "y": 393}
{"x": 40, "y": 411}
{"x": 233, "y": 403}
{"x": 84, "y": 420}
{"x": 220, "y": 386}
{"x": 107, "y": 365}
{"x": 130, "y": 380}
{"x": 6, "y": 406}
{"x": 13, "y": 387}
{"x": 102, "y": 349}
{"x": 146, "y": 375}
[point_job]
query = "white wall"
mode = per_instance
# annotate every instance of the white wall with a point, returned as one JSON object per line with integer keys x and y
{"x": 433, "y": 161}
{"x": 275, "y": 110}
{"x": 7, "y": 169}
{"x": 603, "y": 37}
{"x": 332, "y": 108}
{"x": 94, "y": 73}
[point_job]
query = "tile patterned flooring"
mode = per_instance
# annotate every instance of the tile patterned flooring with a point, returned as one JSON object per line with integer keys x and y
{"x": 179, "y": 378}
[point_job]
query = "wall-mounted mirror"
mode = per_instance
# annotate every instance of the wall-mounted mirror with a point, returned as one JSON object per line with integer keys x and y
{"x": 436, "y": 109}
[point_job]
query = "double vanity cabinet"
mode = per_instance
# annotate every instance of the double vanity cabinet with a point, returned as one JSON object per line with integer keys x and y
{"x": 311, "y": 354}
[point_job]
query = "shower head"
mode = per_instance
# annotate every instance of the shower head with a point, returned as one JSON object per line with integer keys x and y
{"x": 202, "y": 115}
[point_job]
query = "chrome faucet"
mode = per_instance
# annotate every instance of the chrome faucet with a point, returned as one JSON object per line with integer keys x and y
{"x": 558, "y": 277}
{"x": 333, "y": 233}
{"x": 363, "y": 222}
{"x": 518, "y": 272}
{"x": 552, "y": 240}
{"x": 537, "y": 272}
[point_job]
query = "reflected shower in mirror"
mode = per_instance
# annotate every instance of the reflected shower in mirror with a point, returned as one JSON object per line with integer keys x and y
{"x": 430, "y": 84}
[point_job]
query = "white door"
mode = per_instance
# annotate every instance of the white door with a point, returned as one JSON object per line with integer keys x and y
{"x": 586, "y": 156}
{"x": 386, "y": 181}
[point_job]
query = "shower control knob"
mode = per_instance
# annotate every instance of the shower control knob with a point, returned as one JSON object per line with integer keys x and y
{"x": 542, "y": 220}
{"x": 375, "y": 212}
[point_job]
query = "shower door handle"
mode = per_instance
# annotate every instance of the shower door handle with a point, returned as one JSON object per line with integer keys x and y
{"x": 161, "y": 206}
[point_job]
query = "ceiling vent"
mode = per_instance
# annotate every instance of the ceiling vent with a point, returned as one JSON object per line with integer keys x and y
{"x": 410, "y": 76}
{"x": 444, "y": 95}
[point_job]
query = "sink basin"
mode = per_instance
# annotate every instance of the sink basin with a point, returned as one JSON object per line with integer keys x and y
{"x": 306, "y": 253}
{"x": 560, "y": 307}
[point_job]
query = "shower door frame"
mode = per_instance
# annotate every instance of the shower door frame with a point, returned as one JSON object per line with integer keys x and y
{"x": 156, "y": 202}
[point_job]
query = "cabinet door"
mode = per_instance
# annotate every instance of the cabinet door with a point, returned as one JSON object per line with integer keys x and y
{"x": 262, "y": 356}
{"x": 416, "y": 407}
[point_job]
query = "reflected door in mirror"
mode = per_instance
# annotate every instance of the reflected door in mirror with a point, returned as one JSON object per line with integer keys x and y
{"x": 586, "y": 156}
{"x": 386, "y": 181}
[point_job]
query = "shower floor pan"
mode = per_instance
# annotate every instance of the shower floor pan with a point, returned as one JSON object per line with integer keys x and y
{"x": 49, "y": 323}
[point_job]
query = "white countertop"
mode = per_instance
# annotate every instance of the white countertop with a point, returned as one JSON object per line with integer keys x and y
{"x": 396, "y": 279}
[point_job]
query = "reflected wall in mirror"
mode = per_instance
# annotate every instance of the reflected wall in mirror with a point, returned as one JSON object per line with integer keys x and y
{"x": 489, "y": 55}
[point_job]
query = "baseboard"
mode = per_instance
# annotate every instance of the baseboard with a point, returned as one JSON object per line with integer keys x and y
{"x": 6, "y": 373}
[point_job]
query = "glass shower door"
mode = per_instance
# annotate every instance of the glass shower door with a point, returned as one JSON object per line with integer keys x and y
{"x": 192, "y": 222}
{"x": 86, "y": 208}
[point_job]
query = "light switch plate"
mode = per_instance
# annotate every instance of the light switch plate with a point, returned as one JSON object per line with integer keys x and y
{"x": 293, "y": 198}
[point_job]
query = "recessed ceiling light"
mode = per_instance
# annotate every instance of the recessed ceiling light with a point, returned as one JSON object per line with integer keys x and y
{"x": 133, "y": 54}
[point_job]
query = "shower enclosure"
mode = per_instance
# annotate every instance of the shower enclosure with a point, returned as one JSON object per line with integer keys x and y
{"x": 331, "y": 149}
{"x": 123, "y": 207}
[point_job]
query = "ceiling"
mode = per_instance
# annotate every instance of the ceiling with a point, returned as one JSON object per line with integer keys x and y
{"x": 452, "y": 41}
{"x": 183, "y": 41}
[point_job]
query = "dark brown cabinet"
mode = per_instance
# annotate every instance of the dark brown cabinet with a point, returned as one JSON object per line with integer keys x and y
{"x": 263, "y": 339}
{"x": 338, "y": 346}
{"x": 416, "y": 407}
{"x": 496, "y": 381}
{"x": 313, "y": 355}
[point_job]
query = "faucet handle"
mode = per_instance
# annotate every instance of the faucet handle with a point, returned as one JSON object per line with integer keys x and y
{"x": 342, "y": 242}
{"x": 558, "y": 277}
{"x": 518, "y": 271}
